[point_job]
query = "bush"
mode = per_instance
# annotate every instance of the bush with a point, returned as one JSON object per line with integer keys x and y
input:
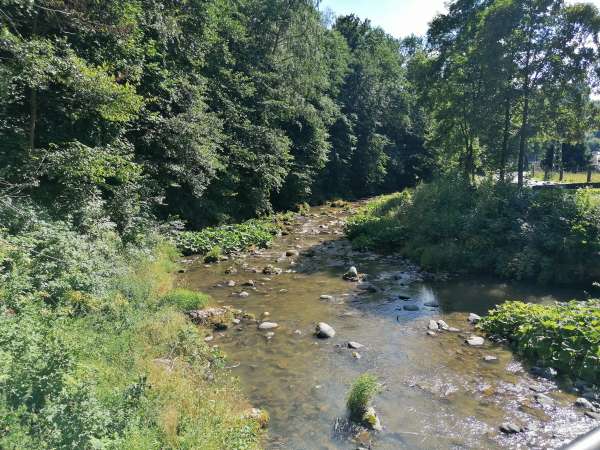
{"x": 545, "y": 236}
{"x": 227, "y": 238}
{"x": 214, "y": 255}
{"x": 360, "y": 396}
{"x": 185, "y": 300}
{"x": 565, "y": 336}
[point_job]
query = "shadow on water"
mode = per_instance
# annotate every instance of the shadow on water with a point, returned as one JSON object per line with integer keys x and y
{"x": 438, "y": 392}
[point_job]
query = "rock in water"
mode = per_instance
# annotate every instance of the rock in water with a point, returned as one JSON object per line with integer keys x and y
{"x": 292, "y": 253}
{"x": 351, "y": 274}
{"x": 354, "y": 345}
{"x": 370, "y": 418}
{"x": 432, "y": 304}
{"x": 510, "y": 428}
{"x": 443, "y": 325}
{"x": 583, "y": 403}
{"x": 324, "y": 331}
{"x": 411, "y": 308}
{"x": 433, "y": 325}
{"x": 475, "y": 341}
{"x": 268, "y": 326}
{"x": 326, "y": 297}
{"x": 474, "y": 318}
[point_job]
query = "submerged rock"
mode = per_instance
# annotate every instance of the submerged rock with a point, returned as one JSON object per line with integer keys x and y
{"x": 355, "y": 345}
{"x": 475, "y": 341}
{"x": 411, "y": 308}
{"x": 324, "y": 331}
{"x": 432, "y": 304}
{"x": 268, "y": 326}
{"x": 272, "y": 270}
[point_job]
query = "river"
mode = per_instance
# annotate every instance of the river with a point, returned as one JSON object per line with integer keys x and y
{"x": 437, "y": 391}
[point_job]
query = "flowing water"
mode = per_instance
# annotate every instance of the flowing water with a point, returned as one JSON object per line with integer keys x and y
{"x": 438, "y": 393}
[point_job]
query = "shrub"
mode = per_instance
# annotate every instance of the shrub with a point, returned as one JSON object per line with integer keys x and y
{"x": 565, "y": 336}
{"x": 360, "y": 396}
{"x": 213, "y": 255}
{"x": 545, "y": 236}
{"x": 228, "y": 238}
{"x": 185, "y": 300}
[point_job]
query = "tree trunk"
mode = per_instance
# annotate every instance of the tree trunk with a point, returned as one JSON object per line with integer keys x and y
{"x": 505, "y": 139}
{"x": 523, "y": 137}
{"x": 561, "y": 170}
{"x": 589, "y": 174}
{"x": 32, "y": 119}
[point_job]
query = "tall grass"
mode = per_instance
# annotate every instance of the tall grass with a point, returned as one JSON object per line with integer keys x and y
{"x": 361, "y": 393}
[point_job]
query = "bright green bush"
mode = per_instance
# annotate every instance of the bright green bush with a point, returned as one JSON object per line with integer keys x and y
{"x": 228, "y": 238}
{"x": 565, "y": 336}
{"x": 360, "y": 396}
{"x": 185, "y": 300}
{"x": 546, "y": 235}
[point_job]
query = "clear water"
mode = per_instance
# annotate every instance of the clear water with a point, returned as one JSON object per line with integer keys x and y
{"x": 438, "y": 393}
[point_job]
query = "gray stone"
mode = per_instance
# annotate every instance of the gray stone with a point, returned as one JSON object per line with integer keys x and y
{"x": 490, "y": 358}
{"x": 231, "y": 283}
{"x": 544, "y": 400}
{"x": 593, "y": 415}
{"x": 583, "y": 403}
{"x": 244, "y": 294}
{"x": 443, "y": 325}
{"x": 433, "y": 325}
{"x": 268, "y": 326}
{"x": 324, "y": 330}
{"x": 326, "y": 297}
{"x": 474, "y": 318}
{"x": 510, "y": 428}
{"x": 475, "y": 341}
{"x": 354, "y": 345}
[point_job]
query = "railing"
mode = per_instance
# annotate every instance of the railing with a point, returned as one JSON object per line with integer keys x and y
{"x": 589, "y": 441}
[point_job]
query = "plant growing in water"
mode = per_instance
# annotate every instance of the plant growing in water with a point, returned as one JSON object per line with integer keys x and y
{"x": 360, "y": 396}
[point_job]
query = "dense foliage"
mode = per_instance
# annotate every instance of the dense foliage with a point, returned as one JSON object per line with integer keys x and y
{"x": 95, "y": 350}
{"x": 361, "y": 393}
{"x": 210, "y": 110}
{"x": 547, "y": 236}
{"x": 564, "y": 336}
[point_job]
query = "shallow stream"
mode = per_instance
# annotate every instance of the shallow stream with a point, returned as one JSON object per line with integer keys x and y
{"x": 438, "y": 392}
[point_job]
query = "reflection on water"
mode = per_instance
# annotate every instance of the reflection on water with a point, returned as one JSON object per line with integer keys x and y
{"x": 438, "y": 392}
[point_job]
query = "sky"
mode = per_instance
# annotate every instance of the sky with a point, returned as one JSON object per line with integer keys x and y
{"x": 399, "y": 18}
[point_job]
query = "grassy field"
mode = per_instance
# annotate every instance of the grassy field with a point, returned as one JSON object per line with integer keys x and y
{"x": 568, "y": 177}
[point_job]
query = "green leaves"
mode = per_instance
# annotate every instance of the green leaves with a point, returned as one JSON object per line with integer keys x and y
{"x": 565, "y": 336}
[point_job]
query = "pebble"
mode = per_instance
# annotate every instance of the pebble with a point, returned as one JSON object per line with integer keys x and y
{"x": 354, "y": 345}
{"x": 431, "y": 333}
{"x": 475, "y": 341}
{"x": 268, "y": 326}
{"x": 326, "y": 297}
{"x": 490, "y": 358}
{"x": 231, "y": 283}
{"x": 208, "y": 338}
{"x": 244, "y": 294}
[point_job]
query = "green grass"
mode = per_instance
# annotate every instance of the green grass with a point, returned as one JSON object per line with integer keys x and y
{"x": 185, "y": 300}
{"x": 568, "y": 177}
{"x": 361, "y": 393}
{"x": 133, "y": 373}
{"x": 565, "y": 336}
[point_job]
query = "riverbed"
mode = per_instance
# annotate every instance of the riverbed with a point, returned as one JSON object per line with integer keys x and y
{"x": 437, "y": 391}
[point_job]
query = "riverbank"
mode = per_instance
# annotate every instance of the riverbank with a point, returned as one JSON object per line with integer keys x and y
{"x": 97, "y": 352}
{"x": 548, "y": 236}
{"x": 452, "y": 393}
